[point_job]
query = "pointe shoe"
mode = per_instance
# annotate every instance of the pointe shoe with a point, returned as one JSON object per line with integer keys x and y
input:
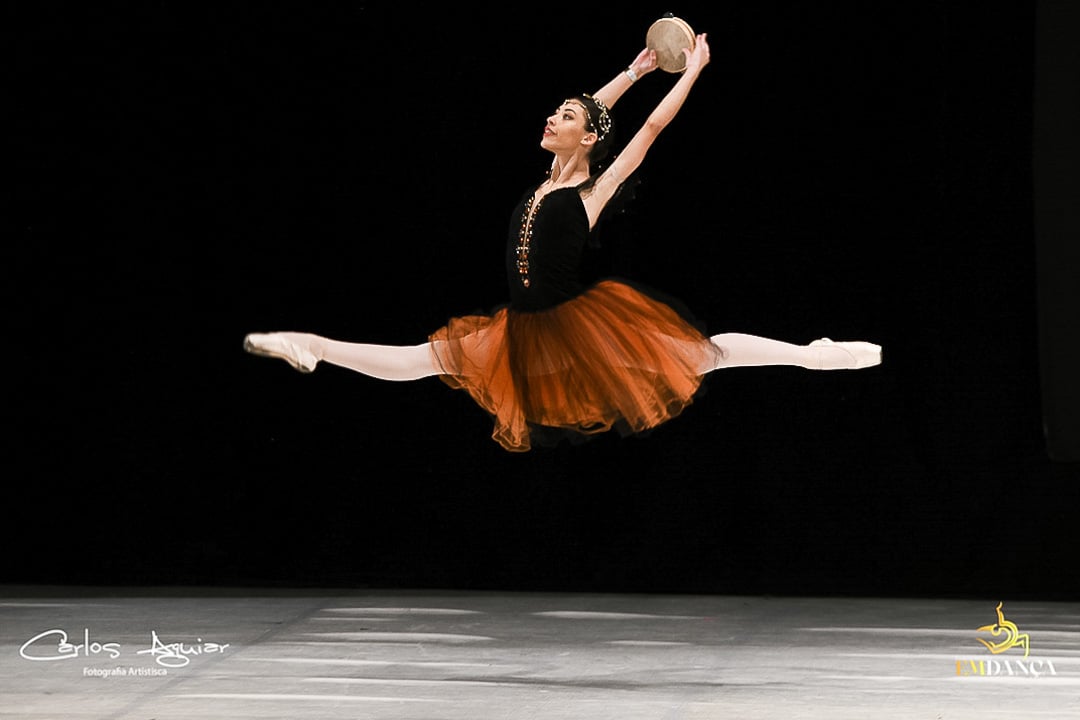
{"x": 285, "y": 346}
{"x": 859, "y": 355}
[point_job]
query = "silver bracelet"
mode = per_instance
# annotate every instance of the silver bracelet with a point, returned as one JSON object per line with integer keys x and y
{"x": 631, "y": 74}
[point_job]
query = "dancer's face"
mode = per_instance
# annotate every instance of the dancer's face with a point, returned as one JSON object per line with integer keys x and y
{"x": 565, "y": 128}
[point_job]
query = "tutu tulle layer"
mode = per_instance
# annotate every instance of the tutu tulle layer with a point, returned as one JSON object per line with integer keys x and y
{"x": 611, "y": 357}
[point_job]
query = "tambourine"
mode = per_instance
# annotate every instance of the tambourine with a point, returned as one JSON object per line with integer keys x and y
{"x": 668, "y": 36}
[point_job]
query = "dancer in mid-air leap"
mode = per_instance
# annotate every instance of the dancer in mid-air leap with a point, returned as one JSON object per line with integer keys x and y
{"x": 564, "y": 355}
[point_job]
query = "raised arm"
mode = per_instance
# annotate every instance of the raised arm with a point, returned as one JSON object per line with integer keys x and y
{"x": 634, "y": 153}
{"x": 643, "y": 64}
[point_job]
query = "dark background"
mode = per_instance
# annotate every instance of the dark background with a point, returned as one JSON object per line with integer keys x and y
{"x": 188, "y": 174}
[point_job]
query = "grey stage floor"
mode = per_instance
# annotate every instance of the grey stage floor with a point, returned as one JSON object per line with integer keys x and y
{"x": 166, "y": 654}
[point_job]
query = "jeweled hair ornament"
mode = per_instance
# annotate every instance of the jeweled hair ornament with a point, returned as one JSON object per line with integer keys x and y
{"x": 602, "y": 125}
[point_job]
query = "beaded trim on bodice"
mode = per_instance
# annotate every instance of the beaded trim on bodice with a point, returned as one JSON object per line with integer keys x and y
{"x": 532, "y": 206}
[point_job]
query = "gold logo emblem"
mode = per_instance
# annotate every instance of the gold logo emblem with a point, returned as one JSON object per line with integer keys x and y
{"x": 1012, "y": 637}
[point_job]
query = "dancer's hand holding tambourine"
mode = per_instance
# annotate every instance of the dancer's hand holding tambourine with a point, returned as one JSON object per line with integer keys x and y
{"x": 698, "y": 56}
{"x": 643, "y": 64}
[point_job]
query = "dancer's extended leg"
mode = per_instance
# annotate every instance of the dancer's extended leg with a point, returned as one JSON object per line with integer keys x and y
{"x": 387, "y": 362}
{"x": 743, "y": 350}
{"x": 412, "y": 362}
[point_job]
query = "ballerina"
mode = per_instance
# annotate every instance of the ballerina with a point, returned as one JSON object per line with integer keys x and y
{"x": 564, "y": 357}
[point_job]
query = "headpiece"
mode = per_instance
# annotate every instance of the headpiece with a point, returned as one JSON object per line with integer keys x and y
{"x": 602, "y": 125}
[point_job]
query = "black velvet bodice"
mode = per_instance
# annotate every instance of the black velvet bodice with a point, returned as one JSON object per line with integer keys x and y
{"x": 544, "y": 253}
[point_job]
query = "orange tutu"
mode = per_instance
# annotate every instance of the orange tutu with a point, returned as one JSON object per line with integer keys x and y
{"x": 611, "y": 357}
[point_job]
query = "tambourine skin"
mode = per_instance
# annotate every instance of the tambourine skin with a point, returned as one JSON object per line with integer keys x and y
{"x": 668, "y": 36}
